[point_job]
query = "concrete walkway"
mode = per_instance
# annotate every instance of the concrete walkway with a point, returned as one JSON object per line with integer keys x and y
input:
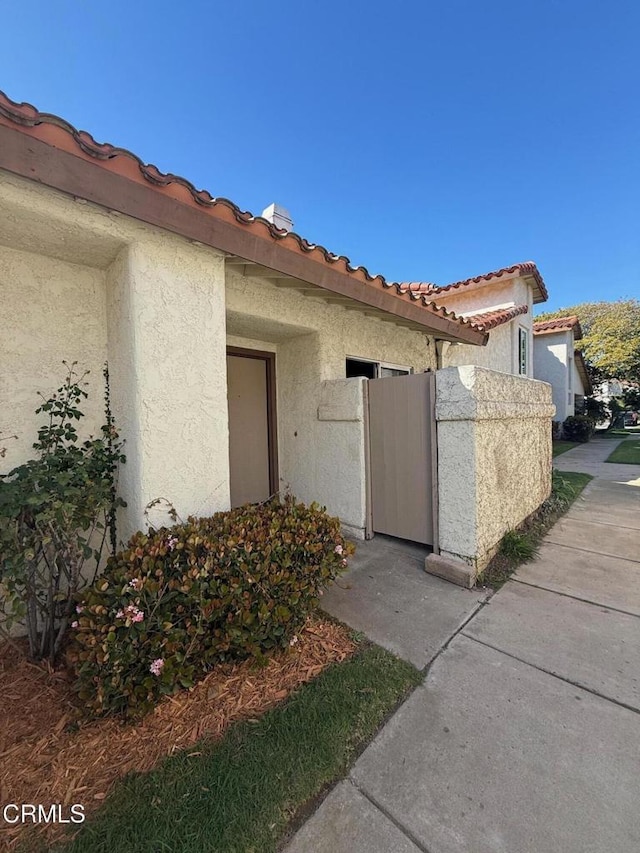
{"x": 525, "y": 735}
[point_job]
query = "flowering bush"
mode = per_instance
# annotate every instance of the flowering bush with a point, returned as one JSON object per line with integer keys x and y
{"x": 177, "y": 601}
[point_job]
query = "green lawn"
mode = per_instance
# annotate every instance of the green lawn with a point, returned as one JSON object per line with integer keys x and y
{"x": 562, "y": 446}
{"x": 575, "y": 484}
{"x": 240, "y": 793}
{"x": 617, "y": 433}
{"x": 626, "y": 451}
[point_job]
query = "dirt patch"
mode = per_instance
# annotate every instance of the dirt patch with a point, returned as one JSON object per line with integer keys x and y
{"x": 47, "y": 758}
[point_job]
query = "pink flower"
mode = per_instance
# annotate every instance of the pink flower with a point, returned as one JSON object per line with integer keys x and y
{"x": 344, "y": 562}
{"x": 338, "y": 549}
{"x": 136, "y": 583}
{"x": 131, "y": 612}
{"x": 74, "y": 624}
{"x": 172, "y": 541}
{"x": 156, "y": 666}
{"x": 79, "y": 608}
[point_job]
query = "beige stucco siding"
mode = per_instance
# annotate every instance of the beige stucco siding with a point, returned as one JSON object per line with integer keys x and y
{"x": 551, "y": 354}
{"x": 50, "y": 310}
{"x": 319, "y": 459}
{"x": 260, "y": 309}
{"x": 497, "y": 355}
{"x": 167, "y": 352}
{"x": 578, "y": 384}
{"x": 502, "y": 350}
{"x": 494, "y": 457}
{"x": 107, "y": 286}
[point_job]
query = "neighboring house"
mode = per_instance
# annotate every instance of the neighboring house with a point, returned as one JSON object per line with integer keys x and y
{"x": 245, "y": 360}
{"x": 558, "y": 362}
{"x": 500, "y": 302}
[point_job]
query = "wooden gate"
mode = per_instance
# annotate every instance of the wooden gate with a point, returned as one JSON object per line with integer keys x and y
{"x": 402, "y": 442}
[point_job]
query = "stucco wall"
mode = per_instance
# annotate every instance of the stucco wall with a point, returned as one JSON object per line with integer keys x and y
{"x": 312, "y": 339}
{"x": 108, "y": 285}
{"x": 494, "y": 457}
{"x": 496, "y": 355}
{"x": 341, "y": 476}
{"x": 167, "y": 351}
{"x": 50, "y": 310}
{"x": 550, "y": 365}
{"x": 578, "y": 384}
{"x": 502, "y": 350}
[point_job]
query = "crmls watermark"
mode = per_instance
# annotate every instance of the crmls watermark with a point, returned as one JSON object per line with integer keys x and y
{"x": 13, "y": 813}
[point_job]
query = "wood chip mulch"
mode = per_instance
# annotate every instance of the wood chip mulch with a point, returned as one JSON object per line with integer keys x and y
{"x": 44, "y": 761}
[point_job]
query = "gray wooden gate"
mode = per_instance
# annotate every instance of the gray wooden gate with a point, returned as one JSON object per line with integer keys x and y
{"x": 402, "y": 439}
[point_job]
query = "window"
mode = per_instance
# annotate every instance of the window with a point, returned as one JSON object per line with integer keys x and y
{"x": 356, "y": 367}
{"x": 374, "y": 369}
{"x": 392, "y": 370}
{"x": 522, "y": 351}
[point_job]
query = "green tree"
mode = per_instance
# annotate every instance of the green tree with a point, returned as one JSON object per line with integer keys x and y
{"x": 611, "y": 342}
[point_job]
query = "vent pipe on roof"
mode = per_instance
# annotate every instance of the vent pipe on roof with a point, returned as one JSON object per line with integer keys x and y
{"x": 279, "y": 216}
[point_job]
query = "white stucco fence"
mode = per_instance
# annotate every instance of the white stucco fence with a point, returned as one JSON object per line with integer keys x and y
{"x": 494, "y": 462}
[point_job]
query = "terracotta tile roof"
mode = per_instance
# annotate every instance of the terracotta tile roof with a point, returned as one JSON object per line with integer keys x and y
{"x": 487, "y": 320}
{"x": 527, "y": 269}
{"x": 120, "y": 163}
{"x": 559, "y": 324}
{"x": 581, "y": 367}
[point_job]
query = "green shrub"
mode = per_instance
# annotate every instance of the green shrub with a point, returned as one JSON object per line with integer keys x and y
{"x": 517, "y": 545}
{"x": 578, "y": 428}
{"x": 180, "y": 600}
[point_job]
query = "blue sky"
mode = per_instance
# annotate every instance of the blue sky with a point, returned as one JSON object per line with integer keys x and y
{"x": 426, "y": 140}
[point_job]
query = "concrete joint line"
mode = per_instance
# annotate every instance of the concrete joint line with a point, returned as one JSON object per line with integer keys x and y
{"x": 554, "y": 675}
{"x": 588, "y": 550}
{"x": 425, "y": 670}
{"x": 601, "y": 523}
{"x": 390, "y": 817}
{"x": 576, "y": 597}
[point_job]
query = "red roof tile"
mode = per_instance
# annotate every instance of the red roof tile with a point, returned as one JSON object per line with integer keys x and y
{"x": 62, "y": 136}
{"x": 486, "y": 320}
{"x": 559, "y": 324}
{"x": 527, "y": 269}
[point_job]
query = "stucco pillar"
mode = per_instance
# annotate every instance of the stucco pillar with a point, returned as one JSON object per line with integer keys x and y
{"x": 341, "y": 447}
{"x": 167, "y": 358}
{"x": 494, "y": 463}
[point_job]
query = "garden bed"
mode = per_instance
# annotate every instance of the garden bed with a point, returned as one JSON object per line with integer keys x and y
{"x": 48, "y": 757}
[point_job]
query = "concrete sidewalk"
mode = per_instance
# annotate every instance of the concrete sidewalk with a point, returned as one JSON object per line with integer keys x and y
{"x": 525, "y": 736}
{"x": 590, "y": 459}
{"x": 387, "y": 595}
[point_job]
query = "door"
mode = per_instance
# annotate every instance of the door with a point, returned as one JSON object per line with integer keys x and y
{"x": 250, "y": 393}
{"x": 402, "y": 456}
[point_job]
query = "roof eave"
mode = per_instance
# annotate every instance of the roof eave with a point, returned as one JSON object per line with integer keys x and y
{"x": 81, "y": 178}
